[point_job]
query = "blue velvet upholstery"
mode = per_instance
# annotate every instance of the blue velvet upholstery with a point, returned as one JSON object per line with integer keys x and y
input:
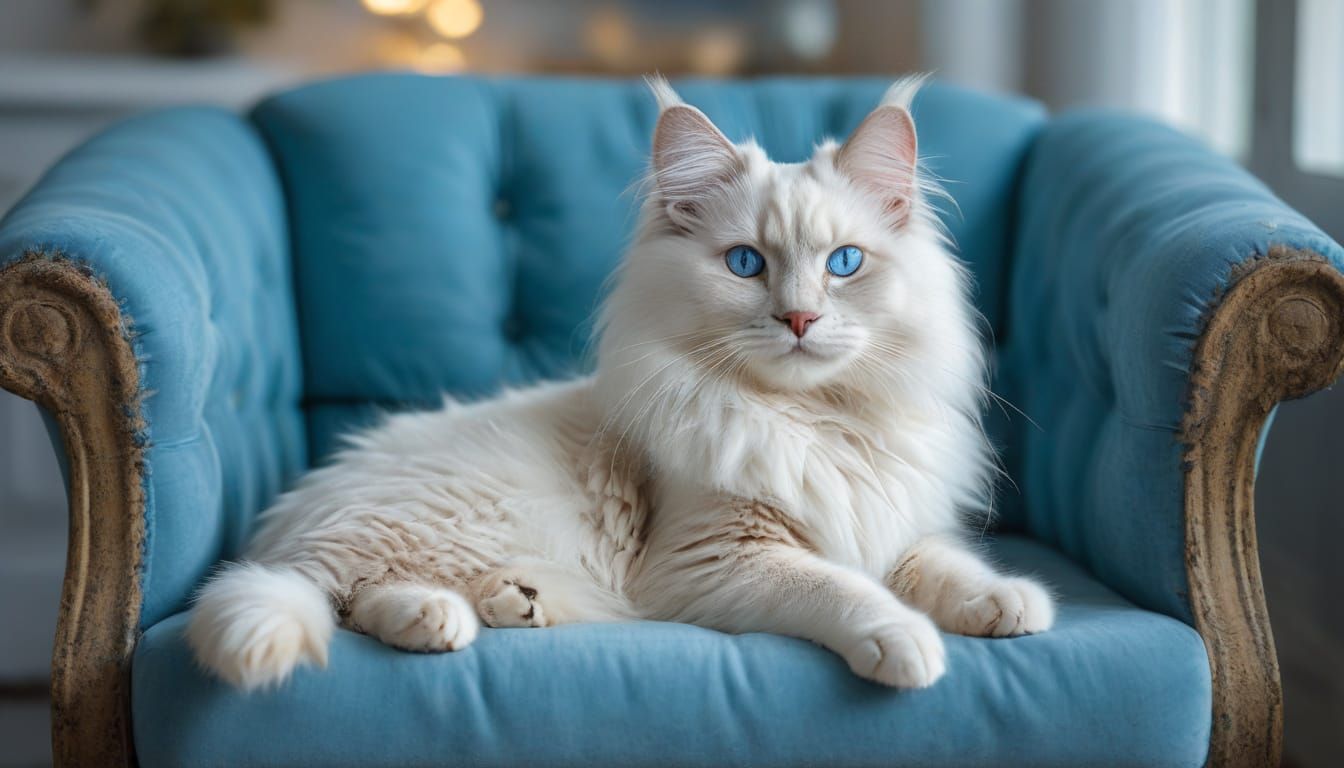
{"x": 1111, "y": 684}
{"x": 371, "y": 242}
{"x": 1130, "y": 233}
{"x": 181, "y": 213}
{"x": 453, "y": 234}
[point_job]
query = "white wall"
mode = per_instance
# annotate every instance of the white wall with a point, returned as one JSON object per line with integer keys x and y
{"x": 1185, "y": 61}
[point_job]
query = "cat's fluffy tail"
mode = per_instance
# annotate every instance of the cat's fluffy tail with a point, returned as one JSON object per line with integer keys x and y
{"x": 252, "y": 624}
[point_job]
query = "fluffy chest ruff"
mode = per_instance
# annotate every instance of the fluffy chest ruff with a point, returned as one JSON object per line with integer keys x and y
{"x": 852, "y": 487}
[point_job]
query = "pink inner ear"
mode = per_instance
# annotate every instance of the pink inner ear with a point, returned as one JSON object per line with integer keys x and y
{"x": 881, "y": 156}
{"x": 690, "y": 155}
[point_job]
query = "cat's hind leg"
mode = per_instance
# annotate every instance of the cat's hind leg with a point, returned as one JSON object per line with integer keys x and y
{"x": 965, "y": 595}
{"x": 533, "y": 593}
{"x": 413, "y": 617}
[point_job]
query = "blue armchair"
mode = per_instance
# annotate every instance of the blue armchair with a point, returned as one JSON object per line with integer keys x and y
{"x": 202, "y": 302}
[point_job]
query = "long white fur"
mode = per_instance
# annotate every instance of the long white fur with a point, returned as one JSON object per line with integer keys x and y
{"x": 715, "y": 469}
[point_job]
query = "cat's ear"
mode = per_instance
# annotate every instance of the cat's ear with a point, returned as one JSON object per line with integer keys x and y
{"x": 881, "y": 156}
{"x": 691, "y": 157}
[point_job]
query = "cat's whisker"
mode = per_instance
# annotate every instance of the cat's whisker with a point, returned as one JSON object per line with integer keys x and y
{"x": 708, "y": 332}
{"x": 995, "y": 465}
{"x": 999, "y": 400}
{"x": 655, "y": 399}
{"x": 624, "y": 402}
{"x": 708, "y": 347}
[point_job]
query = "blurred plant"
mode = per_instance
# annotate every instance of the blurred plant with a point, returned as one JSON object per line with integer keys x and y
{"x": 193, "y": 28}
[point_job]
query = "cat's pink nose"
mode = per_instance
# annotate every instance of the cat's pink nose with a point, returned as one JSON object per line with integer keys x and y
{"x": 798, "y": 321}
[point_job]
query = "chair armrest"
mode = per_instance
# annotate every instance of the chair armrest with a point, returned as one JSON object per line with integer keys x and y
{"x": 145, "y": 305}
{"x": 1163, "y": 301}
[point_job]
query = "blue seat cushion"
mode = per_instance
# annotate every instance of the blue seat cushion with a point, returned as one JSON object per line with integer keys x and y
{"x": 1111, "y": 684}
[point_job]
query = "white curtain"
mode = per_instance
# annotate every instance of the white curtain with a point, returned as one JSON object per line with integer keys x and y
{"x": 1186, "y": 61}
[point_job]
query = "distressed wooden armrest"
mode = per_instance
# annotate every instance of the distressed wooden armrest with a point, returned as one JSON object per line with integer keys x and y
{"x": 1277, "y": 334}
{"x": 64, "y": 345}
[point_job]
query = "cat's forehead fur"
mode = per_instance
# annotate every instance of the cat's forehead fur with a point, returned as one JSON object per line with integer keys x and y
{"x": 793, "y": 206}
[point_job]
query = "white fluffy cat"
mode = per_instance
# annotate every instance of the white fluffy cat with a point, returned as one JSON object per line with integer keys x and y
{"x": 783, "y": 435}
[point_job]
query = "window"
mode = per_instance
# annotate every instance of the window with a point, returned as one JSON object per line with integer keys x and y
{"x": 1318, "y": 112}
{"x": 1208, "y": 69}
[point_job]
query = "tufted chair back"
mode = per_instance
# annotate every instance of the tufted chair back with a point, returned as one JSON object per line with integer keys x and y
{"x": 371, "y": 243}
{"x": 454, "y": 234}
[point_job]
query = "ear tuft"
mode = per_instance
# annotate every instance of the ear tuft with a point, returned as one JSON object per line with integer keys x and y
{"x": 902, "y": 92}
{"x": 662, "y": 92}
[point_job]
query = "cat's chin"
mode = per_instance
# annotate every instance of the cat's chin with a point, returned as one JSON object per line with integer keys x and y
{"x": 801, "y": 368}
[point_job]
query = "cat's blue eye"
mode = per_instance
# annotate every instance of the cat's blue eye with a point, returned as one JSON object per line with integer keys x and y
{"x": 744, "y": 261}
{"x": 844, "y": 261}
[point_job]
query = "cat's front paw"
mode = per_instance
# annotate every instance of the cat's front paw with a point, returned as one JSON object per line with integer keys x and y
{"x": 509, "y": 599}
{"x": 1006, "y": 608}
{"x": 416, "y": 618}
{"x": 906, "y": 652}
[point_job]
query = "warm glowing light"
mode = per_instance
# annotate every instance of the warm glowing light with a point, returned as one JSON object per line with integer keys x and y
{"x": 717, "y": 52}
{"x": 397, "y": 49}
{"x": 608, "y": 35}
{"x": 441, "y": 58}
{"x": 394, "y": 7}
{"x": 455, "y": 19}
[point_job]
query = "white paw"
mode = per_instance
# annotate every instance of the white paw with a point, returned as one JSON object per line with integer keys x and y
{"x": 416, "y": 618}
{"x": 904, "y": 653}
{"x": 1008, "y": 607}
{"x": 506, "y": 600}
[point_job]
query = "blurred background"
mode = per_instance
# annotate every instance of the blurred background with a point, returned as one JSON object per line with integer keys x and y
{"x": 1261, "y": 80}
